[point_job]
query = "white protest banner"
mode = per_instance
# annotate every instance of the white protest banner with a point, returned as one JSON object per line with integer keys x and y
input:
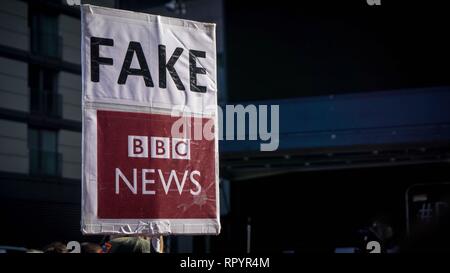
{"x": 148, "y": 169}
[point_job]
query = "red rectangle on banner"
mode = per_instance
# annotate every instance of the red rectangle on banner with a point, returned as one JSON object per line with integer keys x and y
{"x": 146, "y": 173}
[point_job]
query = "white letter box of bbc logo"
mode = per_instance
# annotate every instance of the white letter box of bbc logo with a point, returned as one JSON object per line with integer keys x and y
{"x": 160, "y": 147}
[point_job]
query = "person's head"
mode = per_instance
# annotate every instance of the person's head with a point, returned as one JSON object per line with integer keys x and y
{"x": 34, "y": 251}
{"x": 90, "y": 248}
{"x": 129, "y": 245}
{"x": 55, "y": 247}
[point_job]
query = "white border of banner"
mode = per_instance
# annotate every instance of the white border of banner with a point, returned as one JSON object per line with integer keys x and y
{"x": 90, "y": 224}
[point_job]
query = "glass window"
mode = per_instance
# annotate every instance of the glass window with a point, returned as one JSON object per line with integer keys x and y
{"x": 44, "y": 157}
{"x": 44, "y": 34}
{"x": 44, "y": 99}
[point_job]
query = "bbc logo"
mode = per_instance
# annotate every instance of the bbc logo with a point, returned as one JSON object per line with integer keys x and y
{"x": 159, "y": 147}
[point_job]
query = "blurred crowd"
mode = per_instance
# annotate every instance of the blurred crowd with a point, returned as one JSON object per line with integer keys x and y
{"x": 135, "y": 244}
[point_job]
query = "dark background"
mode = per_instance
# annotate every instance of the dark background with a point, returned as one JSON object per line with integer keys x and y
{"x": 319, "y": 211}
{"x": 289, "y": 49}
